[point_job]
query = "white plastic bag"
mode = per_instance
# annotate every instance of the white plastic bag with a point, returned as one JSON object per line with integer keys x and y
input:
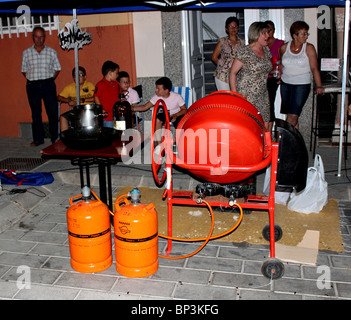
{"x": 315, "y": 195}
{"x": 280, "y": 197}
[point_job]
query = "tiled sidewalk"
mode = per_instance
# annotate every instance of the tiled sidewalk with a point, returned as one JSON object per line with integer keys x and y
{"x": 37, "y": 243}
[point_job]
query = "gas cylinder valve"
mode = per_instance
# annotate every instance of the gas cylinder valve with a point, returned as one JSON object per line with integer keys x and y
{"x": 86, "y": 193}
{"x": 135, "y": 196}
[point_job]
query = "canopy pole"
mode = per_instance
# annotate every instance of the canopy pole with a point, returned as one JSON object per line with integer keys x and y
{"x": 76, "y": 63}
{"x": 343, "y": 86}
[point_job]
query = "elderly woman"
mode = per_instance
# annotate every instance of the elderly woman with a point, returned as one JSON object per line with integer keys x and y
{"x": 298, "y": 59}
{"x": 249, "y": 72}
{"x": 224, "y": 53}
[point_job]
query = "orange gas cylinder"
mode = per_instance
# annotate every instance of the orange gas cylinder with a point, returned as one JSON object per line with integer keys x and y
{"x": 89, "y": 233}
{"x": 136, "y": 237}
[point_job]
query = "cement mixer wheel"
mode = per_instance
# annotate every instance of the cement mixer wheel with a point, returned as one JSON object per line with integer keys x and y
{"x": 272, "y": 268}
{"x": 278, "y": 232}
{"x": 157, "y": 163}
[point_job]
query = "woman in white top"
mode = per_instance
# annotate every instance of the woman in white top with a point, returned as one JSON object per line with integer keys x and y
{"x": 298, "y": 59}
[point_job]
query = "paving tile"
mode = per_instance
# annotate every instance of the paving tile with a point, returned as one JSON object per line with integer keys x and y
{"x": 36, "y": 275}
{"x": 86, "y": 280}
{"x": 56, "y": 263}
{"x": 96, "y": 295}
{"x": 4, "y": 269}
{"x": 182, "y": 249}
{"x": 336, "y": 274}
{"x": 171, "y": 262}
{"x": 299, "y": 286}
{"x": 31, "y": 219}
{"x": 144, "y": 287}
{"x": 12, "y": 234}
{"x": 44, "y": 292}
{"x": 19, "y": 259}
{"x": 45, "y": 208}
{"x": 266, "y": 295}
{"x": 10, "y": 214}
{"x": 60, "y": 228}
{"x": 182, "y": 275}
{"x": 243, "y": 253}
{"x": 45, "y": 237}
{"x": 215, "y": 264}
{"x": 201, "y": 292}
{"x": 57, "y": 218}
{"x": 341, "y": 261}
{"x": 344, "y": 290}
{"x": 44, "y": 249}
{"x": 241, "y": 281}
{"x": 323, "y": 259}
{"x": 8, "y": 289}
{"x": 16, "y": 246}
{"x": 38, "y": 226}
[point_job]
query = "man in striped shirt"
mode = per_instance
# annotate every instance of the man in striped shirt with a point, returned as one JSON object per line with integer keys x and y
{"x": 40, "y": 66}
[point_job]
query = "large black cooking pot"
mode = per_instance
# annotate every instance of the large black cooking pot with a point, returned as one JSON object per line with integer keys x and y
{"x": 84, "y": 139}
{"x": 89, "y": 116}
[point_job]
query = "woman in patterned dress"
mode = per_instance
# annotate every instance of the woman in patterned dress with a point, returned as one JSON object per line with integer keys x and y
{"x": 249, "y": 72}
{"x": 224, "y": 53}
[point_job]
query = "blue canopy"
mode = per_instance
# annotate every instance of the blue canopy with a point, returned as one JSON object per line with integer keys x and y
{"x": 103, "y": 6}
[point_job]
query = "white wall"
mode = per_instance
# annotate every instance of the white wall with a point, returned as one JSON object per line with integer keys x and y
{"x": 148, "y": 44}
{"x": 311, "y": 20}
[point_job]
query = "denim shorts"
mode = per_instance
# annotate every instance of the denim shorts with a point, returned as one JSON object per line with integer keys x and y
{"x": 162, "y": 117}
{"x": 108, "y": 124}
{"x": 294, "y": 97}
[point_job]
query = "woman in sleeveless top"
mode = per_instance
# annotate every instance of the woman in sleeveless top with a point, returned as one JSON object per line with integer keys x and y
{"x": 225, "y": 51}
{"x": 298, "y": 60}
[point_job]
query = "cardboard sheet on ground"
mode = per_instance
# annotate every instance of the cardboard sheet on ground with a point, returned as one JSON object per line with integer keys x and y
{"x": 305, "y": 252}
{"x": 195, "y": 222}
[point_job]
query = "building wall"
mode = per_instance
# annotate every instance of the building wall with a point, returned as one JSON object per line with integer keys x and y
{"x": 112, "y": 39}
{"x": 170, "y": 24}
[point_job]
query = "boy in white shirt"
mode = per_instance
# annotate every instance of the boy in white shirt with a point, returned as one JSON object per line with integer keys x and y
{"x": 130, "y": 94}
{"x": 174, "y": 102}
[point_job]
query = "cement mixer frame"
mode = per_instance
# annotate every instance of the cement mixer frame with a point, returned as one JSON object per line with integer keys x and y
{"x": 272, "y": 267}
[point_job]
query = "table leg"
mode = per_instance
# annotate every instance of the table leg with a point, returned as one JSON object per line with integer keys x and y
{"x": 87, "y": 170}
{"x": 104, "y": 164}
{"x": 109, "y": 184}
{"x": 81, "y": 175}
{"x": 102, "y": 180}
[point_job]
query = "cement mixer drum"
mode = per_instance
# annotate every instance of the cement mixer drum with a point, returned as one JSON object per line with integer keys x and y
{"x": 224, "y": 128}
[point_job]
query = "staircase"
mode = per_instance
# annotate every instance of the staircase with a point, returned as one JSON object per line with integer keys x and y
{"x": 209, "y": 66}
{"x": 209, "y": 45}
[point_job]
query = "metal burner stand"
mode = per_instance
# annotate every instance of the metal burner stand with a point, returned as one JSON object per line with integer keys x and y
{"x": 272, "y": 268}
